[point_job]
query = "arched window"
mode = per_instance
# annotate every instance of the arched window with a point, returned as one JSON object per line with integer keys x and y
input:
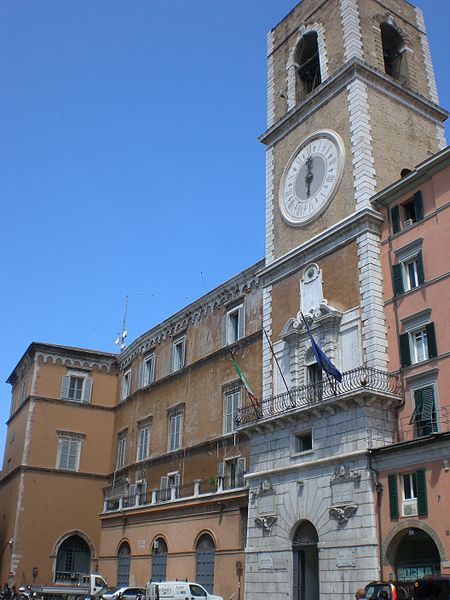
{"x": 308, "y": 65}
{"x": 73, "y": 559}
{"x": 306, "y": 562}
{"x": 205, "y": 562}
{"x": 393, "y": 53}
{"x": 159, "y": 560}
{"x": 123, "y": 564}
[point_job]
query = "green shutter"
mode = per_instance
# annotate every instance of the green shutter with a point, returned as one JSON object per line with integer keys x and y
{"x": 428, "y": 409}
{"x": 397, "y": 279}
{"x": 422, "y": 502}
{"x": 418, "y": 205}
{"x": 393, "y": 495}
{"x": 395, "y": 219}
{"x": 420, "y": 270}
{"x": 405, "y": 353}
{"x": 431, "y": 340}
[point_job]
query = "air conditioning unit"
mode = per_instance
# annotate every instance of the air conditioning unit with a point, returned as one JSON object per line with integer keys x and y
{"x": 410, "y": 508}
{"x": 408, "y": 222}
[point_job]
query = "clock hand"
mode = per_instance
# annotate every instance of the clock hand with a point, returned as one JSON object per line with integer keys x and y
{"x": 309, "y": 175}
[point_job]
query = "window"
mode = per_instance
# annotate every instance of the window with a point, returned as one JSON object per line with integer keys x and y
{"x": 175, "y": 430}
{"x": 69, "y": 449}
{"x": 147, "y": 371}
{"x": 169, "y": 486}
{"x": 177, "y": 358}
{"x": 232, "y": 472}
{"x": 233, "y": 325}
{"x": 126, "y": 384}
{"x": 424, "y": 416}
{"x": 76, "y": 386}
{"x": 303, "y": 442}
{"x": 23, "y": 393}
{"x": 408, "y": 213}
{"x": 121, "y": 448}
{"x": 414, "y": 487}
{"x": 143, "y": 445}
{"x": 307, "y": 59}
{"x": 418, "y": 344}
{"x": 232, "y": 403}
{"x": 394, "y": 54}
{"x": 408, "y": 272}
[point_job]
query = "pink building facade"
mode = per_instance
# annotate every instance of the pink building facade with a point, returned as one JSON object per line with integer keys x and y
{"x": 413, "y": 474}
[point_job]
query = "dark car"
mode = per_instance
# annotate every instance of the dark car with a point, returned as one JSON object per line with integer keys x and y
{"x": 432, "y": 588}
{"x": 390, "y": 590}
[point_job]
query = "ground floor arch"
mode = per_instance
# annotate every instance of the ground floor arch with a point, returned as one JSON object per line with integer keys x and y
{"x": 305, "y": 562}
{"x": 73, "y": 558}
{"x": 412, "y": 553}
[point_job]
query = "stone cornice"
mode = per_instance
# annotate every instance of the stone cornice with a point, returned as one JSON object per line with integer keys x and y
{"x": 338, "y": 81}
{"x": 340, "y": 234}
{"x": 231, "y": 290}
{"x": 65, "y": 355}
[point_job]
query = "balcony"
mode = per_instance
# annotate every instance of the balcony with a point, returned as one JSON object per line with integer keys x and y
{"x": 409, "y": 430}
{"x": 359, "y": 381}
{"x": 154, "y": 497}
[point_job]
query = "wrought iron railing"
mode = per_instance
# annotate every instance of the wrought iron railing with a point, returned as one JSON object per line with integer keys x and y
{"x": 412, "y": 429}
{"x": 358, "y": 380}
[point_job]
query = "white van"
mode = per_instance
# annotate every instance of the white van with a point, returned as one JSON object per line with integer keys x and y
{"x": 177, "y": 590}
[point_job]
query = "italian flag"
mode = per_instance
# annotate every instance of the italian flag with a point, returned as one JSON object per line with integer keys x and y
{"x": 254, "y": 400}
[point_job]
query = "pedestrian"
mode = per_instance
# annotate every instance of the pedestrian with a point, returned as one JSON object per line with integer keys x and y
{"x": 6, "y": 592}
{"x": 360, "y": 594}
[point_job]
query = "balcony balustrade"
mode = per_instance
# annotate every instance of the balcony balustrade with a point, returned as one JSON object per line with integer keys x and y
{"x": 152, "y": 497}
{"x": 360, "y": 380}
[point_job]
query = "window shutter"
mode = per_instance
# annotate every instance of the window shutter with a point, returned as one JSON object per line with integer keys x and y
{"x": 405, "y": 352}
{"x": 431, "y": 340}
{"x": 65, "y": 386}
{"x": 73, "y": 454}
{"x": 141, "y": 375}
{"x": 418, "y": 205}
{"x": 131, "y": 490}
{"x": 164, "y": 482}
{"x": 395, "y": 218}
{"x": 63, "y": 453}
{"x": 422, "y": 502}
{"x": 87, "y": 389}
{"x": 397, "y": 279}
{"x": 241, "y": 322}
{"x": 420, "y": 270}
{"x": 224, "y": 331}
{"x": 172, "y": 359}
{"x": 241, "y": 465}
{"x": 221, "y": 469}
{"x": 393, "y": 495}
{"x": 177, "y": 480}
{"x": 152, "y": 370}
{"x": 427, "y": 407}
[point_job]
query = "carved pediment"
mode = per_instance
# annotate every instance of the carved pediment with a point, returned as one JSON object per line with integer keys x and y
{"x": 324, "y": 315}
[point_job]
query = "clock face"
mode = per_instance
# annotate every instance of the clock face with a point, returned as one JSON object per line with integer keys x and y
{"x": 311, "y": 177}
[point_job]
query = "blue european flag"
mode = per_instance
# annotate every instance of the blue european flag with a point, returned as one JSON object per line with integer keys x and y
{"x": 321, "y": 358}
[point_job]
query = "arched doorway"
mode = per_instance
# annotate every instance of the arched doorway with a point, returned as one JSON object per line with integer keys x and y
{"x": 123, "y": 564}
{"x": 416, "y": 555}
{"x": 306, "y": 562}
{"x": 205, "y": 554}
{"x": 73, "y": 559}
{"x": 159, "y": 560}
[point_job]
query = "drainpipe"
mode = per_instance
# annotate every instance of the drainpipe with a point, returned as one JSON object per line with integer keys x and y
{"x": 379, "y": 492}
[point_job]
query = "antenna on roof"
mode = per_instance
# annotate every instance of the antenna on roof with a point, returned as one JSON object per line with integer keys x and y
{"x": 120, "y": 340}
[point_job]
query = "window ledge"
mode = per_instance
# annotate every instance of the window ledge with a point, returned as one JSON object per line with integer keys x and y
{"x": 304, "y": 453}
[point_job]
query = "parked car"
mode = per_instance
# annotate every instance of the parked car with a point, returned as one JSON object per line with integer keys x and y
{"x": 390, "y": 590}
{"x": 124, "y": 593}
{"x": 178, "y": 590}
{"x": 432, "y": 588}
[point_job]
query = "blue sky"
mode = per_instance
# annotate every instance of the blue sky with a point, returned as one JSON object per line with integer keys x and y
{"x": 129, "y": 160}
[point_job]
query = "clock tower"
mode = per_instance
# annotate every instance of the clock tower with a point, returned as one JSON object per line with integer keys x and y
{"x": 352, "y": 107}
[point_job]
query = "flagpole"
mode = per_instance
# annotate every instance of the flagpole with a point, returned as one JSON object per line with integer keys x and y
{"x": 279, "y": 368}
